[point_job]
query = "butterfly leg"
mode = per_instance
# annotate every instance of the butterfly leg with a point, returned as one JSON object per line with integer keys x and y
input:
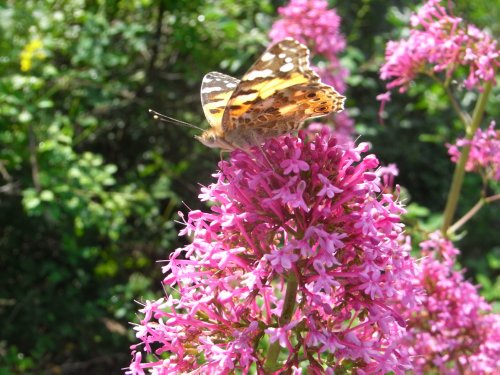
{"x": 265, "y": 157}
{"x": 221, "y": 164}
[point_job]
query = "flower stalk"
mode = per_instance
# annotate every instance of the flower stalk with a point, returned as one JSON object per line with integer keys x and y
{"x": 470, "y": 214}
{"x": 286, "y": 315}
{"x": 458, "y": 174}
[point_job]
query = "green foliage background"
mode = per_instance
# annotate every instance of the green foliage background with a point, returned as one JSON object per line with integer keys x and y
{"x": 90, "y": 185}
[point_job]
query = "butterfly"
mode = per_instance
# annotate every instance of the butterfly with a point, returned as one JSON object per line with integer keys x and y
{"x": 274, "y": 97}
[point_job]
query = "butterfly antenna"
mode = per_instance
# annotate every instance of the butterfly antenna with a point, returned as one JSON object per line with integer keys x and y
{"x": 171, "y": 120}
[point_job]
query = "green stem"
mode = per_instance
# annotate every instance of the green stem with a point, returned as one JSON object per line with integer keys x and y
{"x": 472, "y": 212}
{"x": 286, "y": 315}
{"x": 458, "y": 175}
{"x": 464, "y": 116}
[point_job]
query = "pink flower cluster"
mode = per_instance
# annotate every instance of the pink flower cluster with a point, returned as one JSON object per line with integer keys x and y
{"x": 484, "y": 153}
{"x": 440, "y": 42}
{"x": 344, "y": 128}
{"x": 312, "y": 23}
{"x": 451, "y": 332}
{"x": 318, "y": 214}
{"x": 387, "y": 175}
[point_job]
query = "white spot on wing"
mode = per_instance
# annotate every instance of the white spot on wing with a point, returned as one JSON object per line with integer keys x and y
{"x": 288, "y": 59}
{"x": 267, "y": 56}
{"x": 231, "y": 85}
{"x": 282, "y": 55}
{"x": 259, "y": 74}
{"x": 218, "y": 103}
{"x": 286, "y": 68}
{"x": 208, "y": 90}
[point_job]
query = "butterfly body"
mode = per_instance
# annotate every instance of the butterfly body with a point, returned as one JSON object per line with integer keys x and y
{"x": 274, "y": 97}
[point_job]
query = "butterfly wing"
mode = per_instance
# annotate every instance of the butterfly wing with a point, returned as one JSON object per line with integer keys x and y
{"x": 216, "y": 89}
{"x": 277, "y": 94}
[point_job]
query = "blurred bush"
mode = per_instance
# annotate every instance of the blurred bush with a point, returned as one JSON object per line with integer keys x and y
{"x": 89, "y": 183}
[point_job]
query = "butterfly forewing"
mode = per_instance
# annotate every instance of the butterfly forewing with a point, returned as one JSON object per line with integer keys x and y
{"x": 284, "y": 64}
{"x": 216, "y": 89}
{"x": 276, "y": 95}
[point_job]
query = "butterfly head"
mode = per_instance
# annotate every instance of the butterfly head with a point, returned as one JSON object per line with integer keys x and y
{"x": 211, "y": 139}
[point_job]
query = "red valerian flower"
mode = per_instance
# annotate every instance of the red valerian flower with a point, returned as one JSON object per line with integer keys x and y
{"x": 484, "y": 155}
{"x": 323, "y": 223}
{"x": 440, "y": 42}
{"x": 453, "y": 330}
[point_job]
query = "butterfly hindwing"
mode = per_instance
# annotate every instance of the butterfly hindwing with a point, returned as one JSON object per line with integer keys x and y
{"x": 216, "y": 89}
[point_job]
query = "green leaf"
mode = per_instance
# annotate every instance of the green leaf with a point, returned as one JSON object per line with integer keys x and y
{"x": 47, "y": 195}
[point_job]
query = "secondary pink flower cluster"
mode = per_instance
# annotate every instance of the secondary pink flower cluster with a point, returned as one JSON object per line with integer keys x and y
{"x": 342, "y": 131}
{"x": 484, "y": 153}
{"x": 452, "y": 331}
{"x": 440, "y": 42}
{"x": 312, "y": 23}
{"x": 387, "y": 175}
{"x": 316, "y": 213}
{"x": 318, "y": 27}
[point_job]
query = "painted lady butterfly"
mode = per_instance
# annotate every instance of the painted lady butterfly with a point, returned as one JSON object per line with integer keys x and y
{"x": 274, "y": 97}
